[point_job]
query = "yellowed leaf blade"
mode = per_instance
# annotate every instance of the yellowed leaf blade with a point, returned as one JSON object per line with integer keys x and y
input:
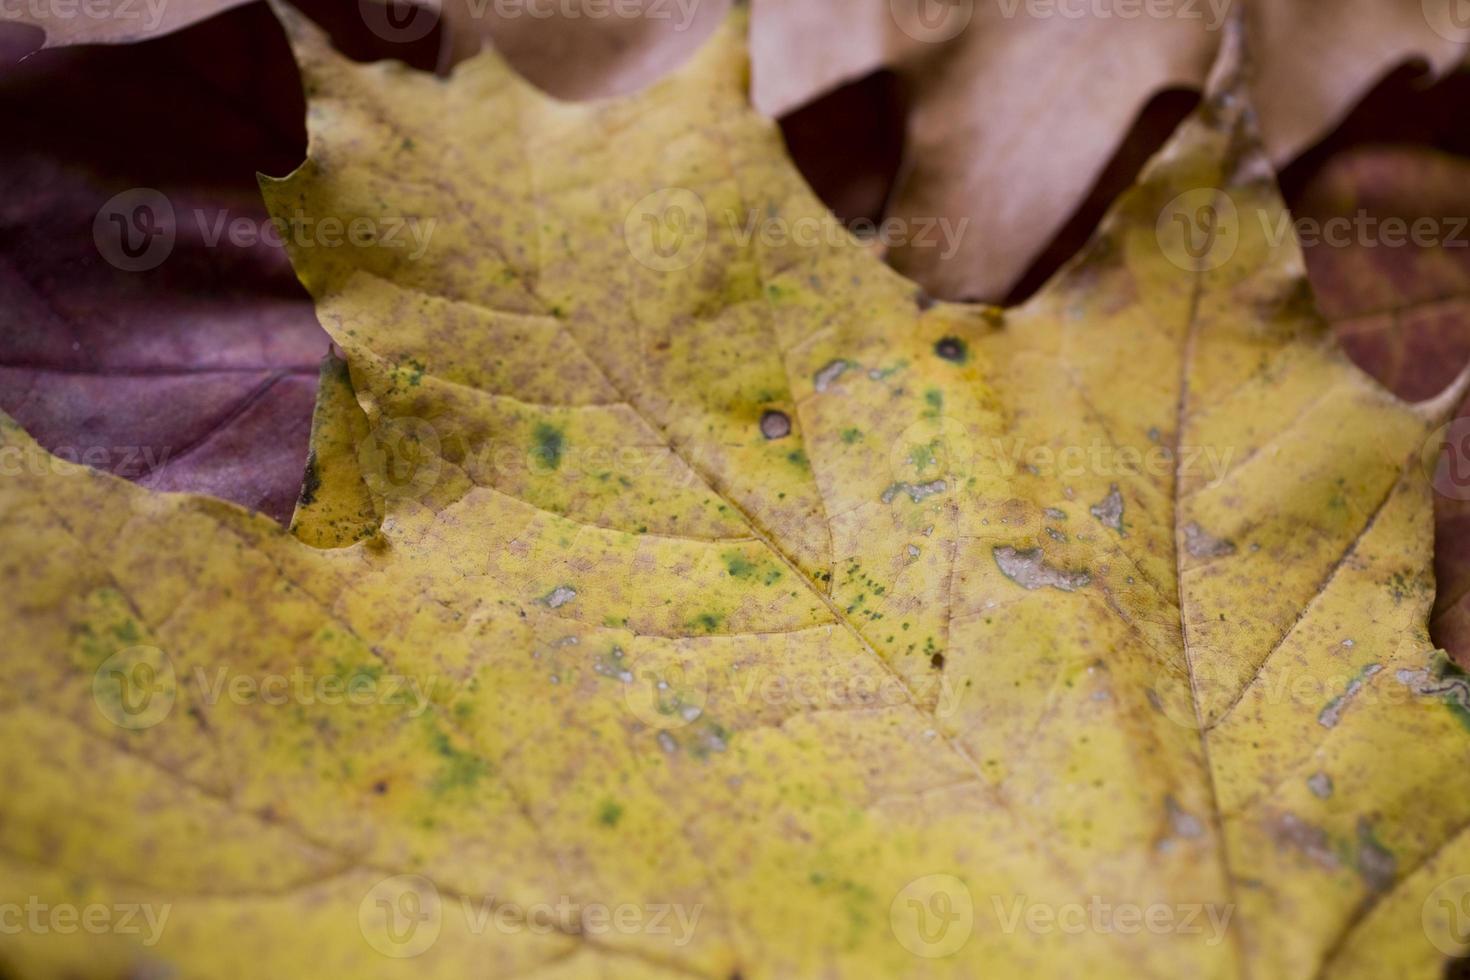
{"x": 1011, "y": 681}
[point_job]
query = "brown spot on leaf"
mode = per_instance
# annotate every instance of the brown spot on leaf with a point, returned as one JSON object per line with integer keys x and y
{"x": 775, "y": 425}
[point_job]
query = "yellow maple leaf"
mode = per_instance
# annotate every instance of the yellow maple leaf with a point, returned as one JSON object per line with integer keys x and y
{"x": 683, "y": 592}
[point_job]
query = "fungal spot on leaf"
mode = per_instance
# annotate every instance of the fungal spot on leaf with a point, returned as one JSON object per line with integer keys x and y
{"x": 952, "y": 349}
{"x": 823, "y": 379}
{"x": 1182, "y": 822}
{"x": 1029, "y": 570}
{"x": 1109, "y": 510}
{"x": 549, "y": 444}
{"x": 311, "y": 481}
{"x": 916, "y": 491}
{"x": 936, "y": 661}
{"x": 775, "y": 425}
{"x": 707, "y": 622}
{"x": 1445, "y": 681}
{"x": 1376, "y": 863}
{"x": 1332, "y": 713}
{"x": 1320, "y": 784}
{"x": 1292, "y": 831}
{"x": 1201, "y": 544}
{"x": 559, "y": 596}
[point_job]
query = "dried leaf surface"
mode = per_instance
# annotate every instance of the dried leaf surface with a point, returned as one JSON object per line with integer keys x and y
{"x": 636, "y": 475}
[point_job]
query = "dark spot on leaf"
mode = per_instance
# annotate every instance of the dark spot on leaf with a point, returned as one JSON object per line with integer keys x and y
{"x": 549, "y": 445}
{"x": 937, "y": 661}
{"x": 952, "y": 349}
{"x": 311, "y": 481}
{"x": 775, "y": 425}
{"x": 380, "y": 787}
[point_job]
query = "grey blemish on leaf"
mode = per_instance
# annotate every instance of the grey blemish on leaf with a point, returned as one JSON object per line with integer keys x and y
{"x": 1423, "y": 683}
{"x": 667, "y": 743}
{"x": 1181, "y": 821}
{"x": 823, "y": 379}
{"x": 559, "y": 596}
{"x": 1375, "y": 862}
{"x": 775, "y": 425}
{"x": 1320, "y": 784}
{"x": 1055, "y": 513}
{"x": 1201, "y": 544}
{"x": 1029, "y": 570}
{"x": 916, "y": 491}
{"x": 614, "y": 665}
{"x": 1292, "y": 831}
{"x": 1109, "y": 510}
{"x": 1055, "y": 535}
{"x": 1333, "y": 712}
{"x": 913, "y": 551}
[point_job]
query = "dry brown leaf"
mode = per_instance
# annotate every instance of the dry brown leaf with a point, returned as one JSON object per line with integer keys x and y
{"x": 110, "y": 21}
{"x": 1403, "y": 310}
{"x": 1017, "y": 104}
{"x": 587, "y": 49}
{"x": 1015, "y": 116}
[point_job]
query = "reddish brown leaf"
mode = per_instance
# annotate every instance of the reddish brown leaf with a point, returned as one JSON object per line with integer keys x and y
{"x": 198, "y": 373}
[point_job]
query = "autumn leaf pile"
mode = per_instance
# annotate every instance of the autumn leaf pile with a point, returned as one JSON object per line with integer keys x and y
{"x": 664, "y": 599}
